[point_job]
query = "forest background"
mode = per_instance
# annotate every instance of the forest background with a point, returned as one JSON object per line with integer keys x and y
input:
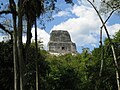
{"x": 26, "y": 67}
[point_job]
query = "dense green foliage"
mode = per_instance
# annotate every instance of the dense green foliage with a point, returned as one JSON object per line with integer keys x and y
{"x": 6, "y": 66}
{"x": 64, "y": 72}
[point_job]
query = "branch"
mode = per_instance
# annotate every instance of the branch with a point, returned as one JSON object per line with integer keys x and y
{"x": 11, "y": 11}
{"x": 5, "y": 12}
{"x": 101, "y": 20}
{"x": 13, "y": 7}
{"x": 108, "y": 18}
{"x": 112, "y": 46}
{"x": 113, "y": 7}
{"x": 7, "y": 31}
{"x": 113, "y": 10}
{"x": 8, "y": 12}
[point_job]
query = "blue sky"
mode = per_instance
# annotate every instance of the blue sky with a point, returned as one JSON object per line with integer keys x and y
{"x": 81, "y": 21}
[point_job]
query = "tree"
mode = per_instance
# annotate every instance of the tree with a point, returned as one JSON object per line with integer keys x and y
{"x": 22, "y": 8}
{"x": 64, "y": 71}
{"x": 36, "y": 9}
{"x": 15, "y": 53}
{"x": 6, "y": 66}
{"x": 117, "y": 37}
{"x": 111, "y": 44}
{"x": 107, "y": 80}
{"x": 110, "y": 6}
{"x": 20, "y": 45}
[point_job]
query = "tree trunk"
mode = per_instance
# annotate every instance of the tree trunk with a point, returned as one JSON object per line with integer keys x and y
{"x": 102, "y": 53}
{"x": 36, "y": 45}
{"x": 20, "y": 46}
{"x": 29, "y": 36}
{"x": 16, "y": 65}
{"x": 15, "y": 53}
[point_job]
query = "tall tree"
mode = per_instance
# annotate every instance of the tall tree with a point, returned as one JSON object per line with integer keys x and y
{"x": 37, "y": 69}
{"x": 15, "y": 53}
{"x": 111, "y": 44}
{"x": 19, "y": 44}
{"x": 36, "y": 8}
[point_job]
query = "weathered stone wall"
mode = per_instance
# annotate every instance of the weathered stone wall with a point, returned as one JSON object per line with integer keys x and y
{"x": 60, "y": 42}
{"x": 60, "y": 36}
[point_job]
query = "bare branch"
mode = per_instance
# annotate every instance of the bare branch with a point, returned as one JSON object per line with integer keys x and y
{"x": 5, "y": 12}
{"x": 7, "y": 31}
{"x": 112, "y": 46}
{"x": 108, "y": 18}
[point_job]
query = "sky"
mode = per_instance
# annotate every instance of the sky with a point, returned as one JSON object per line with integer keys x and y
{"x": 81, "y": 21}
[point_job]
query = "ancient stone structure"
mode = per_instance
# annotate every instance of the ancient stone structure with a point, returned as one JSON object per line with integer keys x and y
{"x": 60, "y": 42}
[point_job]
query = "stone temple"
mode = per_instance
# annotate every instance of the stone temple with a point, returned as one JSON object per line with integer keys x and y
{"x": 60, "y": 43}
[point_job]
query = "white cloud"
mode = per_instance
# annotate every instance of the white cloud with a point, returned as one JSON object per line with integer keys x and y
{"x": 84, "y": 29}
{"x": 85, "y": 3}
{"x": 81, "y": 28}
{"x": 82, "y": 11}
{"x": 113, "y": 28}
{"x": 42, "y": 35}
{"x": 4, "y": 37}
{"x": 61, "y": 14}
